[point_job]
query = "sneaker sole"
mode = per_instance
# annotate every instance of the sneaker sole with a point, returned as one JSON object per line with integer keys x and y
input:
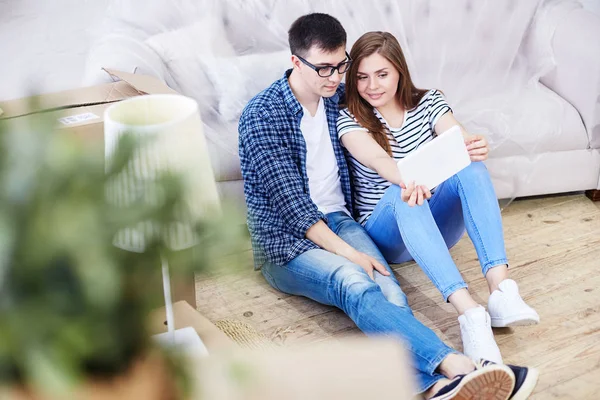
{"x": 495, "y": 382}
{"x": 528, "y": 385}
{"x": 514, "y": 320}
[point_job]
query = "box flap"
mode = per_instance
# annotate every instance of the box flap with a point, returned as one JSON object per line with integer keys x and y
{"x": 143, "y": 83}
{"x": 88, "y": 96}
{"x": 126, "y": 85}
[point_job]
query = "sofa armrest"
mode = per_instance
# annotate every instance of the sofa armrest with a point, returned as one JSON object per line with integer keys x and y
{"x": 576, "y": 73}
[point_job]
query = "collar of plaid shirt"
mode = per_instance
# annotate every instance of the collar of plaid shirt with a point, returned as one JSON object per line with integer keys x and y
{"x": 269, "y": 126}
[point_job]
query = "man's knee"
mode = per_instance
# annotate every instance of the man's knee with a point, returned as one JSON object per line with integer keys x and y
{"x": 392, "y": 292}
{"x": 351, "y": 282}
{"x": 398, "y": 298}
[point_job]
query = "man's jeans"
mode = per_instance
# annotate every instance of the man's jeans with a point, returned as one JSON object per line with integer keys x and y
{"x": 425, "y": 233}
{"x": 378, "y": 308}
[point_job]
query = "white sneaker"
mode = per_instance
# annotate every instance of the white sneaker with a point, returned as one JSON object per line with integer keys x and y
{"x": 507, "y": 308}
{"x": 477, "y": 336}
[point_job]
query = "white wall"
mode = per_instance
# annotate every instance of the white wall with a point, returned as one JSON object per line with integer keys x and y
{"x": 43, "y": 44}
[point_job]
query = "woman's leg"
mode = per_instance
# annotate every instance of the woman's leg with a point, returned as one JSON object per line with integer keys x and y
{"x": 484, "y": 224}
{"x": 402, "y": 233}
{"x": 396, "y": 227}
{"x": 472, "y": 190}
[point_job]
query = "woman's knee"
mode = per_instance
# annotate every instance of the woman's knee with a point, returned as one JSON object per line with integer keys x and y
{"x": 393, "y": 198}
{"x": 476, "y": 169}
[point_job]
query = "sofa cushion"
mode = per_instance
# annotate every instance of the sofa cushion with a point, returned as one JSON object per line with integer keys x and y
{"x": 223, "y": 150}
{"x": 238, "y": 79}
{"x": 465, "y": 43}
{"x": 191, "y": 55}
{"x": 182, "y": 51}
{"x": 142, "y": 21}
{"x": 523, "y": 120}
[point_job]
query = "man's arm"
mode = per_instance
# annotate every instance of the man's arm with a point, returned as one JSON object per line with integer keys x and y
{"x": 325, "y": 238}
{"x": 264, "y": 149}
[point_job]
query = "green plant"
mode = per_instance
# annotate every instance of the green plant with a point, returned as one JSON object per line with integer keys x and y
{"x": 72, "y": 305}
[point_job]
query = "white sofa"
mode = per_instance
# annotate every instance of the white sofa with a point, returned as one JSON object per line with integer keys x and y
{"x": 526, "y": 73}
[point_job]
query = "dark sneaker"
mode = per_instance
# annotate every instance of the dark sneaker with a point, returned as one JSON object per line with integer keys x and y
{"x": 492, "y": 382}
{"x": 525, "y": 379}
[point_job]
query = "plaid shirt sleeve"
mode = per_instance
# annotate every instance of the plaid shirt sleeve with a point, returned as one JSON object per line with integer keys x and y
{"x": 271, "y": 160}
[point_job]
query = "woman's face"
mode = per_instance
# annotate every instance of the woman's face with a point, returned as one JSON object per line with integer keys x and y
{"x": 377, "y": 80}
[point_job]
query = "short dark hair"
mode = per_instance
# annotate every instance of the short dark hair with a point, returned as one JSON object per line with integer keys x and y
{"x": 316, "y": 29}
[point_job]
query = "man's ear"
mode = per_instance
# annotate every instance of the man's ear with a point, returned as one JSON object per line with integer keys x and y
{"x": 295, "y": 62}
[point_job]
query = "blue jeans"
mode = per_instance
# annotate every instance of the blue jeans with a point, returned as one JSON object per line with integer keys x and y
{"x": 378, "y": 308}
{"x": 425, "y": 233}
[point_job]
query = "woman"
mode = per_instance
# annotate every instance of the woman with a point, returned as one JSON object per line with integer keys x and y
{"x": 387, "y": 118}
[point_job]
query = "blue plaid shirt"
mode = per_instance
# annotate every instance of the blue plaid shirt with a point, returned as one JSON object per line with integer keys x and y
{"x": 273, "y": 159}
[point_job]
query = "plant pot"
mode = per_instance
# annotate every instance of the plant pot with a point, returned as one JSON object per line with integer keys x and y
{"x": 148, "y": 378}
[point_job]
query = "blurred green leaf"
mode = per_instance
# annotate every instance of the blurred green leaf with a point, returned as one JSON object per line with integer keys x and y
{"x": 72, "y": 304}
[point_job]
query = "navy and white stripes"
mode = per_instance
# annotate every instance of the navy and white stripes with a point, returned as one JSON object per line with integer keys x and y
{"x": 417, "y": 129}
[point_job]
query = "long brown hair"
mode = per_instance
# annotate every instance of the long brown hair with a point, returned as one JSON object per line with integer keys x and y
{"x": 407, "y": 94}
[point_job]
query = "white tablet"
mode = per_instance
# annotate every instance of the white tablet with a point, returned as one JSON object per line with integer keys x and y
{"x": 437, "y": 160}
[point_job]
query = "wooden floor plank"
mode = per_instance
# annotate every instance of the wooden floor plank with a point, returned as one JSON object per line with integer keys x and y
{"x": 553, "y": 245}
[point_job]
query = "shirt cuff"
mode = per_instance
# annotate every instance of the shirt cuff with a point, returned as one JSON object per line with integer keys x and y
{"x": 303, "y": 224}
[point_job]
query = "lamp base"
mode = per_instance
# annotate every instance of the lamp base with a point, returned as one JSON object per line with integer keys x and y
{"x": 185, "y": 341}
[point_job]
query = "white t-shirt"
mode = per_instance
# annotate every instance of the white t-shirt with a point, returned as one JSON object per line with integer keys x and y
{"x": 417, "y": 129}
{"x": 321, "y": 165}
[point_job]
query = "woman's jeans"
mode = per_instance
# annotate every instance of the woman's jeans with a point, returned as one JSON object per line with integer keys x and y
{"x": 425, "y": 233}
{"x": 378, "y": 308}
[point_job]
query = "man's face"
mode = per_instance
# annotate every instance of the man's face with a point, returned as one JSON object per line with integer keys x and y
{"x": 321, "y": 86}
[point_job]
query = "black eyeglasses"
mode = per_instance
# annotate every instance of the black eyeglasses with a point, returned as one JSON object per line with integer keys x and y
{"x": 328, "y": 70}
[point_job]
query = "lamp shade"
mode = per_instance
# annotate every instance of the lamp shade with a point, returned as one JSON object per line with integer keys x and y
{"x": 172, "y": 140}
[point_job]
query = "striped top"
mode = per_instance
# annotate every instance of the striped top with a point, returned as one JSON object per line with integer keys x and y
{"x": 417, "y": 129}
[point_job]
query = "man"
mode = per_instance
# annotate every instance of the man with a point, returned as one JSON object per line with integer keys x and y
{"x": 305, "y": 241}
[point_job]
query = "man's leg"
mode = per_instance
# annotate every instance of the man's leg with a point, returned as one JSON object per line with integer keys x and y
{"x": 355, "y": 235}
{"x": 333, "y": 280}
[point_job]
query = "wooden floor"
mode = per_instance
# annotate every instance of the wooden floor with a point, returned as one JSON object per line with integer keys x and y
{"x": 553, "y": 245}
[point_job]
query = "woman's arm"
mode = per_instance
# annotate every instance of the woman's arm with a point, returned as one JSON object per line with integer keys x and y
{"x": 477, "y": 145}
{"x": 370, "y": 154}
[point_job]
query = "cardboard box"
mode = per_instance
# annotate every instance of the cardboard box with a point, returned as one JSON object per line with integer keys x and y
{"x": 81, "y": 111}
{"x": 345, "y": 368}
{"x": 185, "y": 315}
{"x": 325, "y": 370}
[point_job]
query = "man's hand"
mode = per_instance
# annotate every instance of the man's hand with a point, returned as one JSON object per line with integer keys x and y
{"x": 414, "y": 195}
{"x": 367, "y": 262}
{"x": 325, "y": 238}
{"x": 478, "y": 147}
